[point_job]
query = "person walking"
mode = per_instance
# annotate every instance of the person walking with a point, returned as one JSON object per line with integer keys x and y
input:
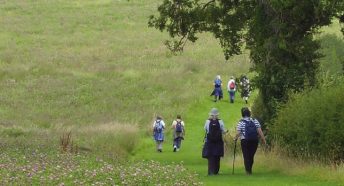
{"x": 248, "y": 129}
{"x": 158, "y": 132}
{"x": 214, "y": 128}
{"x": 231, "y": 88}
{"x": 217, "y": 88}
{"x": 178, "y": 127}
{"x": 245, "y": 88}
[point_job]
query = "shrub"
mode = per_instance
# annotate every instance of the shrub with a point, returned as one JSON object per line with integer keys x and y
{"x": 259, "y": 111}
{"x": 311, "y": 124}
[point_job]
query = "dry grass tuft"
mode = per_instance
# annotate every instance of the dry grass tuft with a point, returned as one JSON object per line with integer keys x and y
{"x": 66, "y": 143}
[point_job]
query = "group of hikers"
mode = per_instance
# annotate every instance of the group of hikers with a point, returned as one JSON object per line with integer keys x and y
{"x": 232, "y": 87}
{"x": 248, "y": 130}
{"x": 178, "y": 127}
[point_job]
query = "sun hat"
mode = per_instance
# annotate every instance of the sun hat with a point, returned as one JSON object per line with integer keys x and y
{"x": 214, "y": 112}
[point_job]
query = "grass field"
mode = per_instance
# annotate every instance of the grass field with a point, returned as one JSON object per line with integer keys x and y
{"x": 95, "y": 69}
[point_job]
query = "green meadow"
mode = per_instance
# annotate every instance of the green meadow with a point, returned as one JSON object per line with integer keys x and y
{"x": 82, "y": 81}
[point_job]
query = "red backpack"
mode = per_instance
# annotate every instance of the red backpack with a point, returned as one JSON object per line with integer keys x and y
{"x": 232, "y": 85}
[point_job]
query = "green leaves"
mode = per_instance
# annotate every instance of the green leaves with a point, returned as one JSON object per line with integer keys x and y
{"x": 311, "y": 125}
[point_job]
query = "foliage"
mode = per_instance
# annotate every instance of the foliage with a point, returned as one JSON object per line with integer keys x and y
{"x": 259, "y": 111}
{"x": 312, "y": 124}
{"x": 278, "y": 33}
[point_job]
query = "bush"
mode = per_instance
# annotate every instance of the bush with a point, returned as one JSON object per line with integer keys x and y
{"x": 259, "y": 111}
{"x": 311, "y": 124}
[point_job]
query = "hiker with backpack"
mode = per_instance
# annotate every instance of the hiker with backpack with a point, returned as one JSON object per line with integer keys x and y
{"x": 178, "y": 133}
{"x": 245, "y": 88}
{"x": 231, "y": 88}
{"x": 217, "y": 92}
{"x": 249, "y": 131}
{"x": 158, "y": 132}
{"x": 214, "y": 128}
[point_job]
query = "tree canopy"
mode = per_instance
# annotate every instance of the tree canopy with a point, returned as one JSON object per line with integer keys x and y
{"x": 278, "y": 33}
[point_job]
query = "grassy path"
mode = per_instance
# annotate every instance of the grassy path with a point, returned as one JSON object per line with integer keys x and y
{"x": 190, "y": 153}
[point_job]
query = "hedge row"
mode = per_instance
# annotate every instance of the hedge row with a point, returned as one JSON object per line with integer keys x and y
{"x": 311, "y": 124}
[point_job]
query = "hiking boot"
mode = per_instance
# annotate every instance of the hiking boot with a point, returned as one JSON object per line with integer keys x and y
{"x": 174, "y": 149}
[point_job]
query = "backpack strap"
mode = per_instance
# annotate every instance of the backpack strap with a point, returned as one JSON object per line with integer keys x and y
{"x": 206, "y": 132}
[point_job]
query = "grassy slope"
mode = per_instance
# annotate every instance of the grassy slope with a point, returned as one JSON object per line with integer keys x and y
{"x": 71, "y": 65}
{"x": 190, "y": 152}
{"x": 83, "y": 62}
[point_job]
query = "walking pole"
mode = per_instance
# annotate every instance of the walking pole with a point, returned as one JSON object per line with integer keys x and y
{"x": 235, "y": 142}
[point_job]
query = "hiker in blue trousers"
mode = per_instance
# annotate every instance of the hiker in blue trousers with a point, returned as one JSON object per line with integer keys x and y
{"x": 231, "y": 88}
{"x": 178, "y": 127}
{"x": 248, "y": 129}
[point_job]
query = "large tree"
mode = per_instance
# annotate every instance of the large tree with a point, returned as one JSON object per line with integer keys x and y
{"x": 278, "y": 33}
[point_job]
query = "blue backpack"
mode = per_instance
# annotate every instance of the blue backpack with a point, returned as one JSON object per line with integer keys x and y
{"x": 251, "y": 132}
{"x": 179, "y": 126}
{"x": 158, "y": 127}
{"x": 217, "y": 82}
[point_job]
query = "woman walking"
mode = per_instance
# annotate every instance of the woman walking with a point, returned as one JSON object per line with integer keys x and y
{"x": 217, "y": 88}
{"x": 158, "y": 132}
{"x": 178, "y": 127}
{"x": 248, "y": 129}
{"x": 214, "y": 128}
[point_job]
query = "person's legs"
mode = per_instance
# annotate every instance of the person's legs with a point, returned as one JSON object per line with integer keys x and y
{"x": 216, "y": 98}
{"x": 252, "y": 148}
{"x": 216, "y": 164}
{"x": 175, "y": 144}
{"x": 159, "y": 145}
{"x": 245, "y": 155}
{"x": 231, "y": 95}
{"x": 179, "y": 142}
{"x": 211, "y": 165}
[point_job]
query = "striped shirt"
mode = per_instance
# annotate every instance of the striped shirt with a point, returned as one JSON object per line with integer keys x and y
{"x": 241, "y": 126}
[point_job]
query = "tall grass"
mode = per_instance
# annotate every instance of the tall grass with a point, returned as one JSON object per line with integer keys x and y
{"x": 274, "y": 160}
